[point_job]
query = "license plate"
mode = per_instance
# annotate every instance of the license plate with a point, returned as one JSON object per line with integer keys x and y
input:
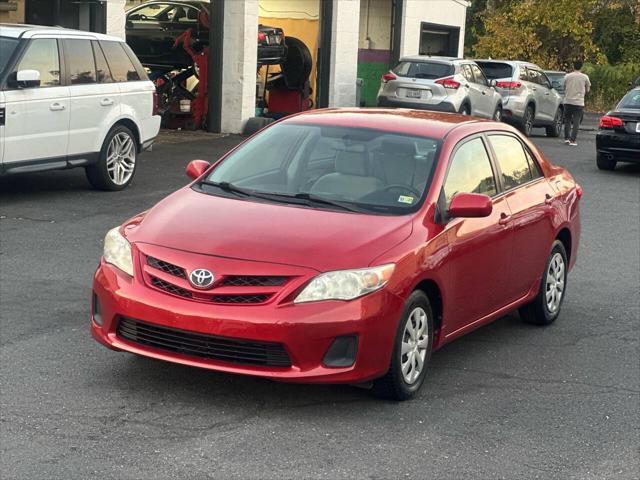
{"x": 413, "y": 93}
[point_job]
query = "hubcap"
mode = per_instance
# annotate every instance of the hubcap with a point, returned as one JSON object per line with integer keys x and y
{"x": 415, "y": 340}
{"x": 121, "y": 158}
{"x": 555, "y": 283}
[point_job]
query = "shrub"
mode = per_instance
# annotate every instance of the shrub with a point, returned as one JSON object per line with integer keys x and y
{"x": 608, "y": 84}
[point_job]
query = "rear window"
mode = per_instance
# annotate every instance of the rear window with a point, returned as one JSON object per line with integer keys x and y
{"x": 427, "y": 70}
{"x": 631, "y": 100}
{"x": 493, "y": 70}
{"x": 122, "y": 69}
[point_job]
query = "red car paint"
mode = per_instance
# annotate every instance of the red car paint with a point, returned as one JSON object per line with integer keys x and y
{"x": 476, "y": 269}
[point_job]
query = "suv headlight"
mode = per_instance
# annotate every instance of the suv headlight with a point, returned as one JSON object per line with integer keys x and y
{"x": 117, "y": 251}
{"x": 346, "y": 284}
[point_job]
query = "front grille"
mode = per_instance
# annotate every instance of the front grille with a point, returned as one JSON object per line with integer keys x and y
{"x": 259, "y": 298}
{"x": 252, "y": 281}
{"x": 203, "y": 346}
{"x": 166, "y": 267}
{"x": 170, "y": 288}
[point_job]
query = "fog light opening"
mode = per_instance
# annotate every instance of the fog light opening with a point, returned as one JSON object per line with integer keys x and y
{"x": 96, "y": 310}
{"x": 342, "y": 352}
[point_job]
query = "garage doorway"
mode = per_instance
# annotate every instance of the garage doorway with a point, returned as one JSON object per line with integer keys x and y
{"x": 88, "y": 15}
{"x": 439, "y": 40}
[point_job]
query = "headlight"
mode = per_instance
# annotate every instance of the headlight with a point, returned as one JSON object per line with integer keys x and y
{"x": 117, "y": 251}
{"x": 346, "y": 284}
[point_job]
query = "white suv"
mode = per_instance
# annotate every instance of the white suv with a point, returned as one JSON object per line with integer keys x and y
{"x": 73, "y": 99}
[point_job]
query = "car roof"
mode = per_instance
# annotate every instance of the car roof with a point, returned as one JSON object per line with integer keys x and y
{"x": 429, "y": 58}
{"x": 29, "y": 31}
{"x": 420, "y": 123}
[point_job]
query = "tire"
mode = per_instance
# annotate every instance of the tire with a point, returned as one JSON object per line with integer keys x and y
{"x": 297, "y": 65}
{"x": 117, "y": 162}
{"x": 497, "y": 115}
{"x": 527, "y": 121}
{"x": 255, "y": 124}
{"x": 555, "y": 129}
{"x": 465, "y": 109}
{"x": 396, "y": 385}
{"x": 605, "y": 163}
{"x": 544, "y": 310}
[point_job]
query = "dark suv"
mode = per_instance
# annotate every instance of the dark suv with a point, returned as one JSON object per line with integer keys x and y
{"x": 153, "y": 27}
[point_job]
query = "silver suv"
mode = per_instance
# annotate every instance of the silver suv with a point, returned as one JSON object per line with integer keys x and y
{"x": 528, "y": 97}
{"x": 442, "y": 84}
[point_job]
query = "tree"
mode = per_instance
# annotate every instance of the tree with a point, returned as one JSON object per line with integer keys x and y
{"x": 551, "y": 33}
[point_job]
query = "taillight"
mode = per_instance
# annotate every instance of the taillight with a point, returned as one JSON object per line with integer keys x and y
{"x": 509, "y": 85}
{"x": 388, "y": 76}
{"x": 609, "y": 123}
{"x": 448, "y": 82}
{"x": 155, "y": 103}
{"x": 262, "y": 37}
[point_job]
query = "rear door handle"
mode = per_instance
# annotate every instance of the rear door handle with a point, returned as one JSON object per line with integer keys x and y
{"x": 106, "y": 102}
{"x": 54, "y": 107}
{"x": 504, "y": 219}
{"x": 548, "y": 199}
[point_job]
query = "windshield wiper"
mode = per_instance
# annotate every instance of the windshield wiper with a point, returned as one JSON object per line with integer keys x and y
{"x": 229, "y": 187}
{"x": 310, "y": 197}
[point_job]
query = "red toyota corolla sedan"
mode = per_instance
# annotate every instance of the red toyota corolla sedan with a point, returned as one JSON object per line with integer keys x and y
{"x": 342, "y": 246}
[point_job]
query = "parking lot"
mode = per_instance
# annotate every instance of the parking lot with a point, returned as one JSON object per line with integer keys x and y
{"x": 507, "y": 401}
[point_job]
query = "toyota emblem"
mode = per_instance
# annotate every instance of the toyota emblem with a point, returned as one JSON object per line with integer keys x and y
{"x": 201, "y": 278}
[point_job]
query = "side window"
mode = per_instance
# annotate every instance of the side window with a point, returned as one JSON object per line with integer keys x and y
{"x": 524, "y": 74}
{"x": 512, "y": 159}
{"x": 122, "y": 70}
{"x": 467, "y": 72}
{"x": 470, "y": 171}
{"x": 533, "y": 165}
{"x": 150, "y": 14}
{"x": 102, "y": 68}
{"x": 545, "y": 80}
{"x": 79, "y": 56}
{"x": 42, "y": 55}
{"x": 479, "y": 76}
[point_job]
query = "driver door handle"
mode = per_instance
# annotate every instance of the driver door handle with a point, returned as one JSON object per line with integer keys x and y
{"x": 504, "y": 219}
{"x": 106, "y": 102}
{"x": 54, "y": 107}
{"x": 548, "y": 199}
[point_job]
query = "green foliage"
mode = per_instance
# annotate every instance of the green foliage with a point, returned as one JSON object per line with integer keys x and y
{"x": 609, "y": 84}
{"x": 616, "y": 32}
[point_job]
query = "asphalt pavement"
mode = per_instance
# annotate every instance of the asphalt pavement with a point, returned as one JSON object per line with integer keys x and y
{"x": 508, "y": 401}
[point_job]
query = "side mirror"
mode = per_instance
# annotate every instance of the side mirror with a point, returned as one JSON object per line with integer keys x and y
{"x": 196, "y": 168}
{"x": 470, "y": 205}
{"x": 28, "y": 79}
{"x": 555, "y": 84}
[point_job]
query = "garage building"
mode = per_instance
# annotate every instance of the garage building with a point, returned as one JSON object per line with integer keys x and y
{"x": 352, "y": 42}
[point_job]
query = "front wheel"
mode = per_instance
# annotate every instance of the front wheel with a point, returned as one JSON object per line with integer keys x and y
{"x": 411, "y": 351}
{"x": 117, "y": 162}
{"x": 545, "y": 308}
{"x": 555, "y": 129}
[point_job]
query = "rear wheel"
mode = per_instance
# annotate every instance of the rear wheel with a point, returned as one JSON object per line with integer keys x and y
{"x": 465, "y": 109}
{"x": 605, "y": 163}
{"x": 545, "y": 308}
{"x": 527, "y": 121}
{"x": 555, "y": 129}
{"x": 411, "y": 352}
{"x": 117, "y": 162}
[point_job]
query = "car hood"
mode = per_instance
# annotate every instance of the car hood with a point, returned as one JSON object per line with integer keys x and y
{"x": 276, "y": 233}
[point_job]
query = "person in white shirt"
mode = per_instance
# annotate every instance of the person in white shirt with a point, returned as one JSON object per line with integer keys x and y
{"x": 576, "y": 87}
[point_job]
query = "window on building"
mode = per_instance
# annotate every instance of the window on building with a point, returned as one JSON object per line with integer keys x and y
{"x": 440, "y": 40}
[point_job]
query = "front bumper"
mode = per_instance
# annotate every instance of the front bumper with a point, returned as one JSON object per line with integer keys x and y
{"x": 624, "y": 147}
{"x": 306, "y": 331}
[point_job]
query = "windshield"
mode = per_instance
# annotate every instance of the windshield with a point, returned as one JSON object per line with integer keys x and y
{"x": 494, "y": 70}
{"x": 426, "y": 70}
{"x": 344, "y": 168}
{"x": 7, "y": 46}
{"x": 630, "y": 100}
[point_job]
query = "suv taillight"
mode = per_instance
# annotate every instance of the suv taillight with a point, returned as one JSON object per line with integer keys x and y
{"x": 388, "y": 76}
{"x": 448, "y": 82}
{"x": 509, "y": 85}
{"x": 154, "y": 111}
{"x": 609, "y": 123}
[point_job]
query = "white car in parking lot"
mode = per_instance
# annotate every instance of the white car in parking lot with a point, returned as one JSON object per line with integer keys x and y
{"x": 73, "y": 99}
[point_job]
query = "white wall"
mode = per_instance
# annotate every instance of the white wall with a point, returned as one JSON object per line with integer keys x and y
{"x": 304, "y": 9}
{"x": 239, "y": 63}
{"x": 444, "y": 12}
{"x": 116, "y": 18}
{"x": 344, "y": 53}
{"x": 376, "y": 14}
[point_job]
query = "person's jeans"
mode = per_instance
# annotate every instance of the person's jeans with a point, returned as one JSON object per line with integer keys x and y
{"x": 572, "y": 119}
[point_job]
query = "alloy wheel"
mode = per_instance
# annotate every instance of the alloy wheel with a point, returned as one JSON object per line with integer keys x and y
{"x": 554, "y": 288}
{"x": 415, "y": 340}
{"x": 121, "y": 158}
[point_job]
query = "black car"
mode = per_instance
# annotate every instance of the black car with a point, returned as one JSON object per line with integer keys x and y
{"x": 618, "y": 138}
{"x": 153, "y": 27}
